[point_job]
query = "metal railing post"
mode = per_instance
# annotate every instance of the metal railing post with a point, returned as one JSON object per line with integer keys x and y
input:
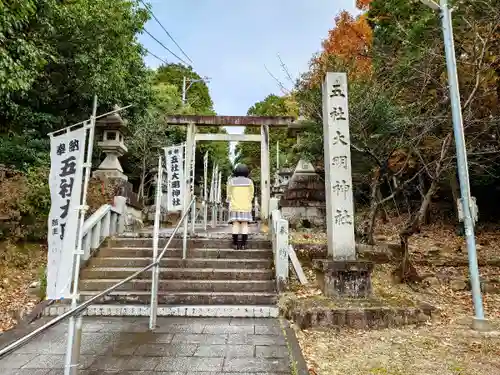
{"x": 77, "y": 342}
{"x": 193, "y": 218}
{"x": 184, "y": 233}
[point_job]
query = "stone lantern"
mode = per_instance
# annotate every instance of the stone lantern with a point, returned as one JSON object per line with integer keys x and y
{"x": 114, "y": 129}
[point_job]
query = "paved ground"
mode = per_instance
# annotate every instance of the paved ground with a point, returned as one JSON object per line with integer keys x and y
{"x": 180, "y": 346}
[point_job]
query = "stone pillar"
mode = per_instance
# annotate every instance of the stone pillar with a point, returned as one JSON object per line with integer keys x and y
{"x": 112, "y": 144}
{"x": 338, "y": 179}
{"x": 341, "y": 275}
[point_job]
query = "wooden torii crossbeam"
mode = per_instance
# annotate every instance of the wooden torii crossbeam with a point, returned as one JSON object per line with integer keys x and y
{"x": 271, "y": 121}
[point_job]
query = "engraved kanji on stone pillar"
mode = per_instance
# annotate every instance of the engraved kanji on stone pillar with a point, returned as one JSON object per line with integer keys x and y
{"x": 338, "y": 178}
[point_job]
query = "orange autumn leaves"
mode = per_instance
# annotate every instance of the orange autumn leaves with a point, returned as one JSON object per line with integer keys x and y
{"x": 349, "y": 43}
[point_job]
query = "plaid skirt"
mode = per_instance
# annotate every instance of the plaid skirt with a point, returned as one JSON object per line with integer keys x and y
{"x": 240, "y": 216}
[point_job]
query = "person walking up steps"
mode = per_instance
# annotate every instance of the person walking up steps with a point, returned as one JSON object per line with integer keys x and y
{"x": 240, "y": 192}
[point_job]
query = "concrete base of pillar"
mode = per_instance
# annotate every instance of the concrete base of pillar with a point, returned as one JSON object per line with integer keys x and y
{"x": 344, "y": 279}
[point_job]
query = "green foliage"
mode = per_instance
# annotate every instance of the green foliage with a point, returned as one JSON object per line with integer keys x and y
{"x": 249, "y": 152}
{"x": 23, "y": 151}
{"x": 22, "y": 53}
{"x": 72, "y": 51}
{"x": 199, "y": 102}
{"x": 197, "y": 96}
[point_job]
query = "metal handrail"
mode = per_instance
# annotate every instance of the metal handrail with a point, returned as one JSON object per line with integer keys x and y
{"x": 75, "y": 311}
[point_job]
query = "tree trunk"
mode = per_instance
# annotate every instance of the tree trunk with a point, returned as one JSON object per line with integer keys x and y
{"x": 383, "y": 212}
{"x": 374, "y": 205}
{"x": 142, "y": 181}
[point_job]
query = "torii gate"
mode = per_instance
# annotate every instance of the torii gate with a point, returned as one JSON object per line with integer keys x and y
{"x": 192, "y": 123}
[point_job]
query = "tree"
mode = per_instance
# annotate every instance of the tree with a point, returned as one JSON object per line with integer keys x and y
{"x": 400, "y": 112}
{"x": 350, "y": 41}
{"x": 64, "y": 53}
{"x": 198, "y": 102}
{"x": 249, "y": 152}
{"x": 198, "y": 96}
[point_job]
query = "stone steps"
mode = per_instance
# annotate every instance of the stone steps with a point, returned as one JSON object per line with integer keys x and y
{"x": 186, "y": 298}
{"x": 214, "y": 279}
{"x": 181, "y": 263}
{"x": 139, "y": 252}
{"x": 233, "y": 311}
{"x": 195, "y": 243}
{"x": 182, "y": 285}
{"x": 179, "y": 273}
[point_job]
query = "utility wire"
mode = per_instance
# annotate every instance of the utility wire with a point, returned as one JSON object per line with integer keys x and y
{"x": 163, "y": 45}
{"x": 170, "y": 36}
{"x": 159, "y": 58}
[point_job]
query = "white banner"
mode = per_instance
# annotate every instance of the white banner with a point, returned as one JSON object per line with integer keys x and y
{"x": 219, "y": 187}
{"x": 215, "y": 183}
{"x": 212, "y": 186}
{"x": 67, "y": 152}
{"x": 205, "y": 176}
{"x": 174, "y": 156}
{"x": 191, "y": 169}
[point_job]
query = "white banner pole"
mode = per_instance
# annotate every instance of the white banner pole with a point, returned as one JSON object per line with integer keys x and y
{"x": 156, "y": 234}
{"x": 75, "y": 327}
{"x": 219, "y": 195}
{"x": 214, "y": 200}
{"x": 205, "y": 191}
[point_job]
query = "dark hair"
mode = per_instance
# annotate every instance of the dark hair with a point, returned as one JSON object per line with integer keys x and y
{"x": 241, "y": 170}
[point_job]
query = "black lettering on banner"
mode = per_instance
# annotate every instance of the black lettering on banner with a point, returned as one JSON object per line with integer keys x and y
{"x": 66, "y": 187}
{"x": 175, "y": 176}
{"x": 176, "y": 193}
{"x": 174, "y": 168}
{"x": 169, "y": 152}
{"x": 176, "y": 202}
{"x": 174, "y": 159}
{"x": 55, "y": 231}
{"x": 63, "y": 227}
{"x": 68, "y": 167}
{"x": 55, "y": 222}
{"x": 61, "y": 149}
{"x": 65, "y": 211}
{"x": 176, "y": 151}
{"x": 176, "y": 184}
{"x": 74, "y": 145}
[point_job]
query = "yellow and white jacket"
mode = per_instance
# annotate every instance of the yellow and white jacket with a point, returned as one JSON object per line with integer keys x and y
{"x": 240, "y": 192}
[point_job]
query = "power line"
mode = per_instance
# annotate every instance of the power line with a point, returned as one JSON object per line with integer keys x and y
{"x": 163, "y": 45}
{"x": 159, "y": 58}
{"x": 170, "y": 36}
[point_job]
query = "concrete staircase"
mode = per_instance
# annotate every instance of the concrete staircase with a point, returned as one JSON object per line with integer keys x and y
{"x": 214, "y": 280}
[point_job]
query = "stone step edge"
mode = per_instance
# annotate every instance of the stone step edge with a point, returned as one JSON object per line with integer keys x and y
{"x": 214, "y": 311}
{"x": 220, "y": 260}
{"x": 177, "y": 293}
{"x": 212, "y": 236}
{"x": 180, "y": 249}
{"x": 167, "y": 269}
{"x": 174, "y": 281}
{"x": 201, "y": 236}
